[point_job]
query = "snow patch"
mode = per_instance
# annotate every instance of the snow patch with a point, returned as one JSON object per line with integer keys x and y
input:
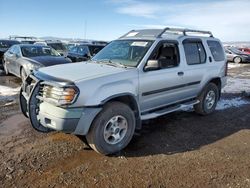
{"x": 230, "y": 103}
{"x": 224, "y": 104}
{"x": 8, "y": 93}
{"x": 237, "y": 85}
{"x": 232, "y": 65}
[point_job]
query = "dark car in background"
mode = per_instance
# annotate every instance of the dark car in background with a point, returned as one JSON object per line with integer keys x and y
{"x": 24, "y": 39}
{"x": 4, "y": 46}
{"x": 84, "y": 52}
{"x": 22, "y": 59}
{"x": 235, "y": 55}
{"x": 58, "y": 46}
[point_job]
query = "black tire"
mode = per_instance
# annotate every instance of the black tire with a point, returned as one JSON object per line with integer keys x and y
{"x": 205, "y": 107}
{"x": 237, "y": 60}
{"x": 5, "y": 68}
{"x": 23, "y": 103}
{"x": 99, "y": 141}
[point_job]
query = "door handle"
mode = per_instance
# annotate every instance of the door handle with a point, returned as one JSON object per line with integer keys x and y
{"x": 210, "y": 59}
{"x": 180, "y": 73}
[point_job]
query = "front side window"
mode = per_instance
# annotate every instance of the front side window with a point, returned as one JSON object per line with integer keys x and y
{"x": 124, "y": 52}
{"x": 167, "y": 55}
{"x": 195, "y": 53}
{"x": 216, "y": 50}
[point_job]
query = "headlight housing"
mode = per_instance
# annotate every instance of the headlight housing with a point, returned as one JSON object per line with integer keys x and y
{"x": 59, "y": 96}
{"x": 33, "y": 66}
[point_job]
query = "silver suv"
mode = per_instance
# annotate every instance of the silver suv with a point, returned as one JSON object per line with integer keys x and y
{"x": 142, "y": 75}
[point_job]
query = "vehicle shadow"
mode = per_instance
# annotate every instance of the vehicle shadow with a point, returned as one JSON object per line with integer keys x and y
{"x": 186, "y": 131}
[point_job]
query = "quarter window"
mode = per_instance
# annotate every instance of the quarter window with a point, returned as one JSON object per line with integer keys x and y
{"x": 216, "y": 50}
{"x": 195, "y": 53}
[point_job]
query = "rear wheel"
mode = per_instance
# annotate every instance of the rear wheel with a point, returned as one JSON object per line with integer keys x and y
{"x": 237, "y": 60}
{"x": 208, "y": 100}
{"x": 112, "y": 129}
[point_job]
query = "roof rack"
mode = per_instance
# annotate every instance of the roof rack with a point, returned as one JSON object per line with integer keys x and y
{"x": 184, "y": 31}
{"x": 157, "y": 33}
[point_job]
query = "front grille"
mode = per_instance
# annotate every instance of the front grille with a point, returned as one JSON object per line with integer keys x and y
{"x": 28, "y": 85}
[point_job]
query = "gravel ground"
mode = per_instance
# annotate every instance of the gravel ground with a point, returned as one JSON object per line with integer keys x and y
{"x": 181, "y": 149}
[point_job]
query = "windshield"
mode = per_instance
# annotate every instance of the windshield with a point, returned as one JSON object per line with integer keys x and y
{"x": 34, "y": 51}
{"x": 57, "y": 46}
{"x": 7, "y": 44}
{"x": 124, "y": 52}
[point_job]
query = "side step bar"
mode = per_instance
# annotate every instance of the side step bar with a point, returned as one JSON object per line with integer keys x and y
{"x": 167, "y": 110}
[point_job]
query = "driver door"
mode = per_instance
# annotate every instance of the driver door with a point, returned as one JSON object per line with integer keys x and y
{"x": 162, "y": 87}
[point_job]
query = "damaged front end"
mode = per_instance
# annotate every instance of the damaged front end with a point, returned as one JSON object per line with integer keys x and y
{"x": 38, "y": 88}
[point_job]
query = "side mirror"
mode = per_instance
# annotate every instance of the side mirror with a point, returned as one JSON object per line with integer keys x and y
{"x": 152, "y": 65}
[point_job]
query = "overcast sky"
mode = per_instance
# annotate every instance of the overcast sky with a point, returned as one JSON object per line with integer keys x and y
{"x": 229, "y": 20}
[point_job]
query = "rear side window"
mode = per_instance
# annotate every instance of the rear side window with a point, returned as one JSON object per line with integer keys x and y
{"x": 216, "y": 50}
{"x": 195, "y": 52}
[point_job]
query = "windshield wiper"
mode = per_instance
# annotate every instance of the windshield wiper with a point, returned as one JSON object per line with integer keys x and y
{"x": 109, "y": 62}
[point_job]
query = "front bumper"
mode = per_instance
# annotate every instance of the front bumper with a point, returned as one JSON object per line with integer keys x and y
{"x": 69, "y": 120}
{"x": 72, "y": 120}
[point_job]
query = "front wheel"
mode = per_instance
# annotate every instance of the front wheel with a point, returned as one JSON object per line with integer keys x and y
{"x": 208, "y": 100}
{"x": 237, "y": 60}
{"x": 112, "y": 129}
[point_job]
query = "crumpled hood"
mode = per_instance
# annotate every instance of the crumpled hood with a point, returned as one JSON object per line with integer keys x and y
{"x": 49, "y": 60}
{"x": 80, "y": 71}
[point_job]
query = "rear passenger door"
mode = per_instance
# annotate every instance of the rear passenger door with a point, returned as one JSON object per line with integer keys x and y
{"x": 196, "y": 60}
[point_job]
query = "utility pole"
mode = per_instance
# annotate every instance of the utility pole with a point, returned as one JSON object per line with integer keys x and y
{"x": 85, "y": 29}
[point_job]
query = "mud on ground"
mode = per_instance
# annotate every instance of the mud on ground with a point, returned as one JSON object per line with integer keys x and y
{"x": 181, "y": 149}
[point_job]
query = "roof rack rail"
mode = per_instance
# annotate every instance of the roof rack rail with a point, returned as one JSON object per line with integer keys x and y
{"x": 127, "y": 34}
{"x": 184, "y": 31}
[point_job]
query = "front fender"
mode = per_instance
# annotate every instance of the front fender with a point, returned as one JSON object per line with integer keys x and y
{"x": 95, "y": 92}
